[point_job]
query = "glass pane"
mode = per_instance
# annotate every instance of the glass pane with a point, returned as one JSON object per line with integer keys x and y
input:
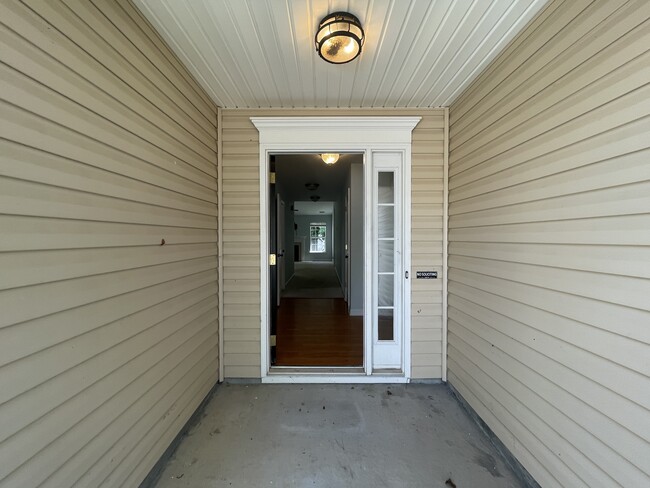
{"x": 386, "y": 192}
{"x": 386, "y": 256}
{"x": 339, "y": 49}
{"x": 385, "y": 325}
{"x": 385, "y": 292}
{"x": 385, "y": 221}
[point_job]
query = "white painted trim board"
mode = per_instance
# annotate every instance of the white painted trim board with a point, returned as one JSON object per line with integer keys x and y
{"x": 352, "y": 135}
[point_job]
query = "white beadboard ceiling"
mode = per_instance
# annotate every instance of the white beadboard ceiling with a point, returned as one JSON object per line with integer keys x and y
{"x": 313, "y": 208}
{"x": 260, "y": 53}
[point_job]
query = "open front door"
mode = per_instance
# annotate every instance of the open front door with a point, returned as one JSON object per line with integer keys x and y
{"x": 274, "y": 292}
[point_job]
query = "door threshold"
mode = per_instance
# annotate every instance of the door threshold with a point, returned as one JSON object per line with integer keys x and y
{"x": 321, "y": 370}
{"x": 341, "y": 374}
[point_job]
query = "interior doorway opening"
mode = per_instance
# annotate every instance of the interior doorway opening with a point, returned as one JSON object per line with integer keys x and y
{"x": 317, "y": 288}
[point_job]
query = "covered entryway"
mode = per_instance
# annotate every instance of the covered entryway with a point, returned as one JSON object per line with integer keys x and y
{"x": 130, "y": 282}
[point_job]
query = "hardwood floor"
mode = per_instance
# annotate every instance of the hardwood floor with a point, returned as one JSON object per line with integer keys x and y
{"x": 318, "y": 332}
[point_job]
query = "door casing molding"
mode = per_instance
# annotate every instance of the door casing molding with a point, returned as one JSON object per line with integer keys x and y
{"x": 365, "y": 135}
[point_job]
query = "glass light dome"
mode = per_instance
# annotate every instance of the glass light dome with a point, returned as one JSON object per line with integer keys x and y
{"x": 339, "y": 38}
{"x": 329, "y": 158}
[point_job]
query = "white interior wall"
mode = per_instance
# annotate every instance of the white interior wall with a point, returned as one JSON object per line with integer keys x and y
{"x": 339, "y": 236}
{"x": 356, "y": 239}
{"x": 289, "y": 239}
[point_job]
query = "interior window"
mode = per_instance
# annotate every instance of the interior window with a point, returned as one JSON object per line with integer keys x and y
{"x": 317, "y": 232}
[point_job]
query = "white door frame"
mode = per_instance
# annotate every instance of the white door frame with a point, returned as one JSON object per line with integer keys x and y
{"x": 346, "y": 251}
{"x": 365, "y": 135}
{"x": 280, "y": 239}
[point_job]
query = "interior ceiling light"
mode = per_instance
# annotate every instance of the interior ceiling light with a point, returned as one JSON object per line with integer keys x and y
{"x": 312, "y": 186}
{"x": 314, "y": 198}
{"x": 339, "y": 38}
{"x": 329, "y": 158}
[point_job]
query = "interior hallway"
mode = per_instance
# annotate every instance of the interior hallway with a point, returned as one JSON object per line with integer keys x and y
{"x": 331, "y": 436}
{"x": 314, "y": 328}
{"x": 313, "y": 279}
{"x": 318, "y": 332}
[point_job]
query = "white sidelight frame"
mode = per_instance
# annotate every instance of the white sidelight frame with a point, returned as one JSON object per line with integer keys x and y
{"x": 385, "y": 352}
{"x": 344, "y": 134}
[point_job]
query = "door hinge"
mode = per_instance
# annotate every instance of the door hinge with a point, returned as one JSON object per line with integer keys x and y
{"x": 272, "y": 341}
{"x": 272, "y": 178}
{"x": 271, "y": 259}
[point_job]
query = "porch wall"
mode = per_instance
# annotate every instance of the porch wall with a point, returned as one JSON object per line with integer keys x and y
{"x": 241, "y": 259}
{"x": 549, "y": 291}
{"x": 108, "y": 339}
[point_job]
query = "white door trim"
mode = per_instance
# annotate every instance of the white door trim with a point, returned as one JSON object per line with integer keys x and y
{"x": 339, "y": 135}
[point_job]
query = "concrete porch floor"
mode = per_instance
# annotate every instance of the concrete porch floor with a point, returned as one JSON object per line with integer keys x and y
{"x": 335, "y": 436}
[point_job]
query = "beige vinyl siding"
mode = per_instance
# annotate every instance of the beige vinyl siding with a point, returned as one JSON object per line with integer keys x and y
{"x": 549, "y": 245}
{"x": 108, "y": 339}
{"x": 241, "y": 259}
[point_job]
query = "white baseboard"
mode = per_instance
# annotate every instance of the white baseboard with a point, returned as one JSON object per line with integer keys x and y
{"x": 287, "y": 281}
{"x": 338, "y": 277}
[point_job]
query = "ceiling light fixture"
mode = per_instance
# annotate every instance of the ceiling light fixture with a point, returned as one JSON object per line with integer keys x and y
{"x": 339, "y": 38}
{"x": 314, "y": 198}
{"x": 312, "y": 186}
{"x": 329, "y": 158}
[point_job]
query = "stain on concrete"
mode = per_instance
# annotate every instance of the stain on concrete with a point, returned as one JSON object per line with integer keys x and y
{"x": 194, "y": 428}
{"x": 347, "y": 470}
{"x": 312, "y": 417}
{"x": 488, "y": 462}
{"x": 436, "y": 410}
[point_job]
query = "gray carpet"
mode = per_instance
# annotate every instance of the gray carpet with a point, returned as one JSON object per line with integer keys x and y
{"x": 313, "y": 280}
